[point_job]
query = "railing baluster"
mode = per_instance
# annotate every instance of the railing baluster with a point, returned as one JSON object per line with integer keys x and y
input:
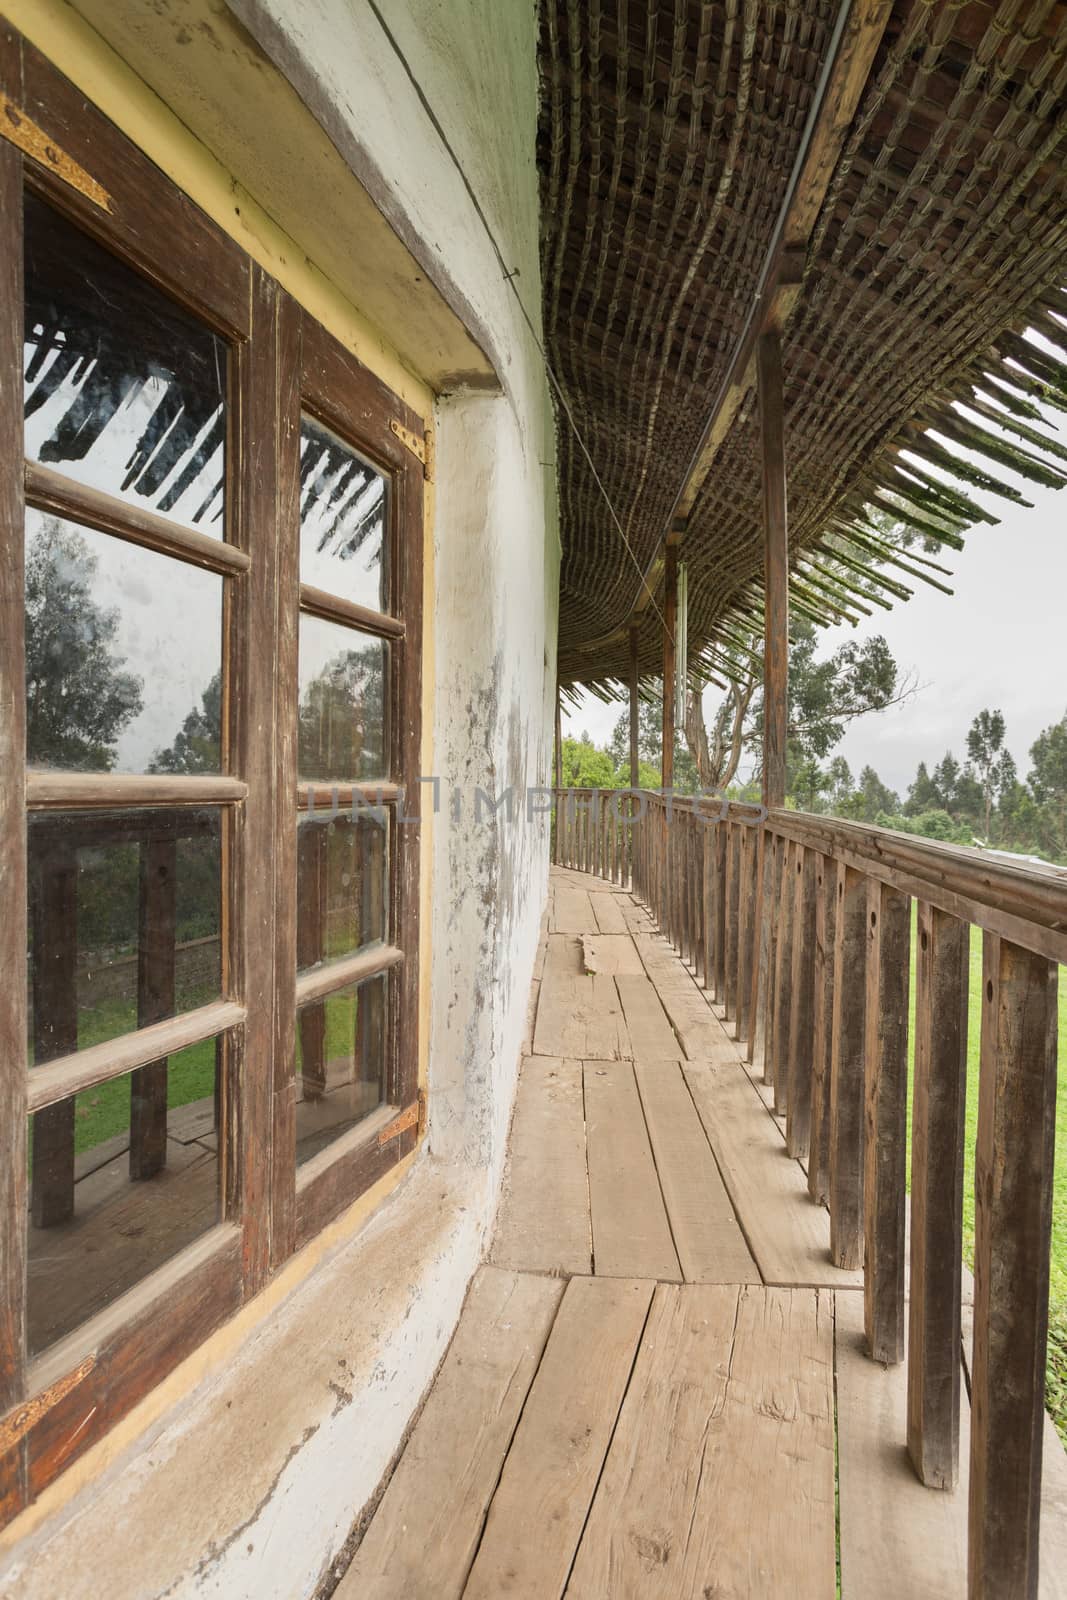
{"x": 802, "y": 1007}
{"x": 770, "y": 987}
{"x": 1013, "y": 1219}
{"x": 942, "y": 962}
{"x": 846, "y": 1074}
{"x": 718, "y": 887}
{"x": 886, "y": 1096}
{"x": 707, "y": 865}
{"x": 822, "y": 1028}
{"x": 783, "y": 977}
{"x": 744, "y": 909}
{"x": 730, "y": 943}
{"x": 755, "y": 940}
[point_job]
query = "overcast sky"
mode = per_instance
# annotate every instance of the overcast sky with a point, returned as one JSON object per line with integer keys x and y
{"x": 999, "y": 641}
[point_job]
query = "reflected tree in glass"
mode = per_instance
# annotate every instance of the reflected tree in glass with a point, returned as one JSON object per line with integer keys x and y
{"x": 197, "y": 745}
{"x": 78, "y": 697}
{"x": 342, "y": 722}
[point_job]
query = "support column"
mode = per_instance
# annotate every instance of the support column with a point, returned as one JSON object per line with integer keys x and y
{"x": 670, "y": 618}
{"x": 634, "y": 726}
{"x": 776, "y": 570}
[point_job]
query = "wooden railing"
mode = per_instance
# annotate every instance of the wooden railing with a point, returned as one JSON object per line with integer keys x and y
{"x": 801, "y": 928}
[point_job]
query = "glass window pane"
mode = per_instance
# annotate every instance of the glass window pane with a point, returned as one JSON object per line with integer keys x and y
{"x": 124, "y": 920}
{"x": 343, "y": 508}
{"x": 343, "y": 735}
{"x": 123, "y": 655}
{"x": 123, "y": 389}
{"x": 122, "y": 1177}
{"x": 341, "y": 885}
{"x": 340, "y": 1063}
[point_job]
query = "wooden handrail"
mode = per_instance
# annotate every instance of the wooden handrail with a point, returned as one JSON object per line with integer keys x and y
{"x": 800, "y": 928}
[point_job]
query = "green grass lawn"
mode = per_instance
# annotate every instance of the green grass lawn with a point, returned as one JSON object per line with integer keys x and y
{"x": 1056, "y": 1380}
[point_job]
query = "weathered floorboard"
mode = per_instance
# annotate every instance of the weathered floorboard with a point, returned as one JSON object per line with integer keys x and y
{"x": 631, "y": 1234}
{"x": 683, "y": 1002}
{"x": 452, "y": 1463}
{"x": 578, "y": 1015}
{"x": 788, "y": 1235}
{"x": 720, "y": 1477}
{"x": 543, "y": 1224}
{"x": 899, "y": 1540}
{"x": 711, "y": 1247}
{"x": 550, "y": 1475}
{"x": 651, "y": 1036}
{"x": 611, "y": 952}
{"x": 608, "y": 913}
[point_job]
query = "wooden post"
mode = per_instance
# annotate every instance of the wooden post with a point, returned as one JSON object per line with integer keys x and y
{"x": 802, "y": 1011}
{"x": 776, "y": 570}
{"x": 846, "y": 1072}
{"x": 635, "y": 721}
{"x": 559, "y": 740}
{"x": 886, "y": 1097}
{"x": 942, "y": 963}
{"x": 670, "y": 618}
{"x": 783, "y": 978}
{"x": 773, "y": 892}
{"x": 744, "y": 918}
{"x": 156, "y": 909}
{"x": 1013, "y": 1220}
{"x": 822, "y": 1028}
{"x": 761, "y": 954}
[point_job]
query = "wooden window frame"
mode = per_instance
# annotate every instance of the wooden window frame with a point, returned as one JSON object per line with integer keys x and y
{"x": 281, "y": 362}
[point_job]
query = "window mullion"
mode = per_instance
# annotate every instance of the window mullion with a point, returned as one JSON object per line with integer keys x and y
{"x": 255, "y": 447}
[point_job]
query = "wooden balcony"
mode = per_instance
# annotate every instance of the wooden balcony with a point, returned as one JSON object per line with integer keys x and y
{"x": 688, "y": 1345}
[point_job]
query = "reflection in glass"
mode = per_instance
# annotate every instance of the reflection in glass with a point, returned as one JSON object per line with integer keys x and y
{"x": 341, "y": 883}
{"x": 340, "y": 1063}
{"x": 123, "y": 389}
{"x": 342, "y": 519}
{"x": 342, "y": 704}
{"x": 123, "y": 647}
{"x": 124, "y": 917}
{"x": 122, "y": 1177}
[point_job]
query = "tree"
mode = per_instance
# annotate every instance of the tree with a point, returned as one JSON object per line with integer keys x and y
{"x": 197, "y": 745}
{"x": 875, "y": 795}
{"x": 78, "y": 698}
{"x": 586, "y": 767}
{"x": 923, "y": 795}
{"x": 650, "y": 744}
{"x": 990, "y": 765}
{"x": 1048, "y": 785}
{"x": 341, "y": 722}
{"x": 824, "y": 696}
{"x": 946, "y": 782}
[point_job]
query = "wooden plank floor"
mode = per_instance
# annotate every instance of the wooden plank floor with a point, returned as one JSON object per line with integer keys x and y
{"x": 653, "y": 1373}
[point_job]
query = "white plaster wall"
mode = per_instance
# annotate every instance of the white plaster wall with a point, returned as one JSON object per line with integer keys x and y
{"x": 249, "y": 1486}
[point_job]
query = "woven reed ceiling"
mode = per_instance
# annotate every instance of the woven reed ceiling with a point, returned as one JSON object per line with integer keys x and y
{"x": 668, "y": 131}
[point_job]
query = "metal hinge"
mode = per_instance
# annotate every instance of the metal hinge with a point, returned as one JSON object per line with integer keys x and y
{"x": 421, "y": 447}
{"x": 32, "y": 140}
